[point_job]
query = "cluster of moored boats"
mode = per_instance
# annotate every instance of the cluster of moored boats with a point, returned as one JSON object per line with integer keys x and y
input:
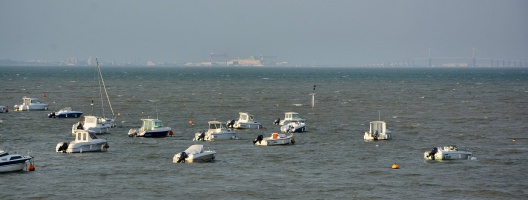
{"x": 86, "y": 140}
{"x": 85, "y": 133}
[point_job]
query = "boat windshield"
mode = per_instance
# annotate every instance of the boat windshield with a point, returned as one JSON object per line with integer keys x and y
{"x": 158, "y": 124}
{"x": 92, "y": 135}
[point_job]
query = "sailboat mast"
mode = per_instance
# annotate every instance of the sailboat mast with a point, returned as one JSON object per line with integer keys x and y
{"x": 104, "y": 87}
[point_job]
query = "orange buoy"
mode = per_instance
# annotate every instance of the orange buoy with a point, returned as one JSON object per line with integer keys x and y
{"x": 31, "y": 167}
{"x": 119, "y": 114}
{"x": 395, "y": 166}
{"x": 514, "y": 140}
{"x": 170, "y": 132}
{"x": 190, "y": 122}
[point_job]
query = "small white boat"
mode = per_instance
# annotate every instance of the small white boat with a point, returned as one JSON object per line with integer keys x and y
{"x": 150, "y": 128}
{"x": 274, "y": 139}
{"x": 84, "y": 142}
{"x": 31, "y": 104}
{"x": 195, "y": 153}
{"x": 12, "y": 162}
{"x": 245, "y": 120}
{"x": 378, "y": 131}
{"x": 4, "y": 109}
{"x": 293, "y": 127}
{"x": 447, "y": 153}
{"x": 289, "y": 117}
{"x": 217, "y": 131}
{"x": 94, "y": 124}
{"x": 66, "y": 112}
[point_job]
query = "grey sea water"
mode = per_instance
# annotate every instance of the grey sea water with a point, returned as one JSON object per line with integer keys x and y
{"x": 478, "y": 109}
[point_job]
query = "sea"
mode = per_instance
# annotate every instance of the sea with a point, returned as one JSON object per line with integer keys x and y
{"x": 482, "y": 110}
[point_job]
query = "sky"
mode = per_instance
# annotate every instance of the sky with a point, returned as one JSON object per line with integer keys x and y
{"x": 320, "y": 32}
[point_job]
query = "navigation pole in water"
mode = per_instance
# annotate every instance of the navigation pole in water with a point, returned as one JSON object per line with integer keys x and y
{"x": 313, "y": 97}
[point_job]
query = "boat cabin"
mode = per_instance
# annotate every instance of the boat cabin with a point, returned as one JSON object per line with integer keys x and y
{"x": 29, "y": 101}
{"x": 379, "y": 126}
{"x": 217, "y": 125}
{"x": 84, "y": 136}
{"x": 151, "y": 124}
{"x": 245, "y": 117}
{"x": 292, "y": 116}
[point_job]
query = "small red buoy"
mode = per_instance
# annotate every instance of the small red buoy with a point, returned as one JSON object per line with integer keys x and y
{"x": 44, "y": 94}
{"x": 31, "y": 167}
{"x": 190, "y": 122}
{"x": 170, "y": 132}
{"x": 7, "y": 110}
{"x": 395, "y": 166}
{"x": 514, "y": 140}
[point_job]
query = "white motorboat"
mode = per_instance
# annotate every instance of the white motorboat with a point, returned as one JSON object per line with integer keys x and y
{"x": 274, "y": 139}
{"x": 447, "y": 153}
{"x": 4, "y": 109}
{"x": 293, "y": 127}
{"x": 84, "y": 142}
{"x": 378, "y": 131}
{"x": 289, "y": 117}
{"x": 245, "y": 120}
{"x": 31, "y": 104}
{"x": 195, "y": 153}
{"x": 150, "y": 128}
{"x": 94, "y": 124}
{"x": 217, "y": 131}
{"x": 66, "y": 112}
{"x": 13, "y": 162}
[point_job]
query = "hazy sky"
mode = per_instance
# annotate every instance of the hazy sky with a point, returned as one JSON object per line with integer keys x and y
{"x": 299, "y": 31}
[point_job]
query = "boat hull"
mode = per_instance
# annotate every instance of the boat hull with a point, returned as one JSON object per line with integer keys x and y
{"x": 69, "y": 115}
{"x": 248, "y": 125}
{"x": 15, "y": 165}
{"x": 154, "y": 134}
{"x": 381, "y": 136}
{"x": 84, "y": 147}
{"x": 279, "y": 139}
{"x": 31, "y": 107}
{"x": 462, "y": 155}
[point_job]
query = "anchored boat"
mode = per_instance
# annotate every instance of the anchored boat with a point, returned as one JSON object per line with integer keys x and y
{"x": 84, "y": 142}
{"x": 378, "y": 131}
{"x": 245, "y": 120}
{"x": 217, "y": 131}
{"x": 12, "y": 162}
{"x": 66, "y": 112}
{"x": 447, "y": 153}
{"x": 289, "y": 117}
{"x": 31, "y": 104}
{"x": 150, "y": 128}
{"x": 195, "y": 153}
{"x": 274, "y": 139}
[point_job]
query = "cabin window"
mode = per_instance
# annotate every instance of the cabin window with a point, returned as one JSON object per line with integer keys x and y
{"x": 243, "y": 117}
{"x": 90, "y": 120}
{"x": 158, "y": 124}
{"x": 15, "y": 157}
{"x": 84, "y": 136}
{"x": 78, "y": 136}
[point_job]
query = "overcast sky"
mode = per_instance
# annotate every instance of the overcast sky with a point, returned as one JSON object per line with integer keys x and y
{"x": 337, "y": 32}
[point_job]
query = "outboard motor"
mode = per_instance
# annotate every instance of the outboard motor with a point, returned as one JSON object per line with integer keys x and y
{"x": 202, "y": 136}
{"x": 62, "y": 148}
{"x": 432, "y": 153}
{"x": 375, "y": 135}
{"x": 51, "y": 115}
{"x": 231, "y": 123}
{"x": 182, "y": 158}
{"x": 259, "y": 139}
{"x": 276, "y": 122}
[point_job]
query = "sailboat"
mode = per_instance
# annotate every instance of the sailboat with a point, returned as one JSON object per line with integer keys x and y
{"x": 97, "y": 124}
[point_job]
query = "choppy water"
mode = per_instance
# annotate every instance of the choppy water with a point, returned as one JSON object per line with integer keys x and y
{"x": 477, "y": 109}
